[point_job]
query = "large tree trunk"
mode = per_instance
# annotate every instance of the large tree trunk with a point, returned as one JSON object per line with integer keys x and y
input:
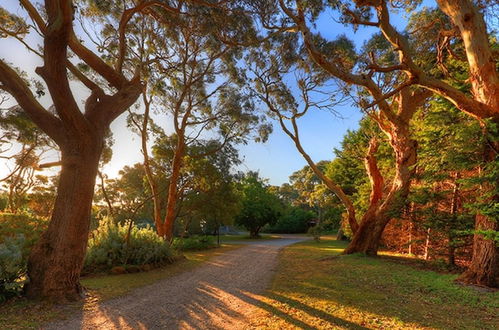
{"x": 484, "y": 268}
{"x": 484, "y": 80}
{"x": 484, "y": 264}
{"x": 171, "y": 208}
{"x": 367, "y": 239}
{"x": 56, "y": 260}
{"x": 471, "y": 24}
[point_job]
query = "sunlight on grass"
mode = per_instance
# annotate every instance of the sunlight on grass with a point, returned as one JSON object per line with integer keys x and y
{"x": 358, "y": 292}
{"x": 337, "y": 251}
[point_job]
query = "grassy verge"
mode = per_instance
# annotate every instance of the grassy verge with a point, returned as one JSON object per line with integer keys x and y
{"x": 246, "y": 238}
{"x": 26, "y": 314}
{"x": 316, "y": 288}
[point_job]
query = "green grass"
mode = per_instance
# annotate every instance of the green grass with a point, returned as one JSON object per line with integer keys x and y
{"x": 316, "y": 288}
{"x": 246, "y": 238}
{"x": 25, "y": 314}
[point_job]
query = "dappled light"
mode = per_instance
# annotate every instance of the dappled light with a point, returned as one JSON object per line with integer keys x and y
{"x": 249, "y": 164}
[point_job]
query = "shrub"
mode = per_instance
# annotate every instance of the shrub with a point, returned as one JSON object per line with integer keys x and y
{"x": 194, "y": 243}
{"x": 13, "y": 225}
{"x": 316, "y": 232}
{"x": 18, "y": 234}
{"x": 13, "y": 264}
{"x": 295, "y": 220}
{"x": 108, "y": 247}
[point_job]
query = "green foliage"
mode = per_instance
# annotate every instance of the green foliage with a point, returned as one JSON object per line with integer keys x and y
{"x": 316, "y": 232}
{"x": 14, "y": 225}
{"x": 201, "y": 242}
{"x": 118, "y": 244}
{"x": 13, "y": 264}
{"x": 4, "y": 199}
{"x": 18, "y": 234}
{"x": 259, "y": 205}
{"x": 294, "y": 220}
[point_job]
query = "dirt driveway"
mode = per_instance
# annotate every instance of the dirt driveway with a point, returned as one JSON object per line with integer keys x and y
{"x": 221, "y": 294}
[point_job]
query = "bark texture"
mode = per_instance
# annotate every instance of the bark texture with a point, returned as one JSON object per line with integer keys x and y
{"x": 171, "y": 208}
{"x": 56, "y": 260}
{"x": 383, "y": 208}
{"x": 484, "y": 269}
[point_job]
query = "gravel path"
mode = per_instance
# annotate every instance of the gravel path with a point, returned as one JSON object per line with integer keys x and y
{"x": 221, "y": 294}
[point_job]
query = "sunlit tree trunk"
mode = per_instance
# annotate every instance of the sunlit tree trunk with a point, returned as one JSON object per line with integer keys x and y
{"x": 56, "y": 260}
{"x": 382, "y": 209}
{"x": 427, "y": 244}
{"x": 153, "y": 184}
{"x": 484, "y": 268}
{"x": 171, "y": 208}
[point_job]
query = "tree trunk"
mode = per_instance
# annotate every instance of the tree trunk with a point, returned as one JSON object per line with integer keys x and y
{"x": 484, "y": 264}
{"x": 105, "y": 195}
{"x": 427, "y": 244}
{"x": 484, "y": 268}
{"x": 485, "y": 87}
{"x": 254, "y": 232}
{"x": 382, "y": 210}
{"x": 56, "y": 260}
{"x": 156, "y": 198}
{"x": 453, "y": 211}
{"x": 366, "y": 239}
{"x": 471, "y": 24}
{"x": 411, "y": 225}
{"x": 167, "y": 227}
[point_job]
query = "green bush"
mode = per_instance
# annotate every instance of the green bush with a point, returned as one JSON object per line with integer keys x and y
{"x": 13, "y": 264}
{"x": 108, "y": 247}
{"x": 316, "y": 232}
{"x": 295, "y": 220}
{"x": 18, "y": 234}
{"x": 194, "y": 243}
{"x": 13, "y": 225}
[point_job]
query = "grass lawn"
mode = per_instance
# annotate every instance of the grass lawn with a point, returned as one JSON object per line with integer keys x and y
{"x": 316, "y": 288}
{"x": 25, "y": 314}
{"x": 245, "y": 237}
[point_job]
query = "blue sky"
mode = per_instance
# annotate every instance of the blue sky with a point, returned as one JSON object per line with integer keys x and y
{"x": 276, "y": 159}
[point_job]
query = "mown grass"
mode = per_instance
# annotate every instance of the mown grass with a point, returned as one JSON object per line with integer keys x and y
{"x": 316, "y": 288}
{"x": 246, "y": 238}
{"x": 25, "y": 314}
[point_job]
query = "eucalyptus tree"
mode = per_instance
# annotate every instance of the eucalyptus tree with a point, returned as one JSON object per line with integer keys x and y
{"x": 456, "y": 31}
{"x": 22, "y": 145}
{"x": 341, "y": 70}
{"x": 196, "y": 83}
{"x": 106, "y": 65}
{"x": 311, "y": 191}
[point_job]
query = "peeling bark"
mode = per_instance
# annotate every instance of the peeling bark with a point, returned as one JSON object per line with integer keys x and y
{"x": 381, "y": 210}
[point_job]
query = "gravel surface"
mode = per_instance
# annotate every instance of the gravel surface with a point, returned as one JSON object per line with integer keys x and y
{"x": 220, "y": 294}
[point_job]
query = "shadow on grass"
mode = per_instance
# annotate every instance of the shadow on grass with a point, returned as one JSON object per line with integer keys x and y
{"x": 332, "y": 320}
{"x": 378, "y": 291}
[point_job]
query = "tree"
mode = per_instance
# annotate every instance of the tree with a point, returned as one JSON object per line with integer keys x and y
{"x": 56, "y": 261}
{"x": 313, "y": 79}
{"x": 312, "y": 192}
{"x": 258, "y": 206}
{"x": 468, "y": 29}
{"x": 195, "y": 81}
{"x": 19, "y": 132}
